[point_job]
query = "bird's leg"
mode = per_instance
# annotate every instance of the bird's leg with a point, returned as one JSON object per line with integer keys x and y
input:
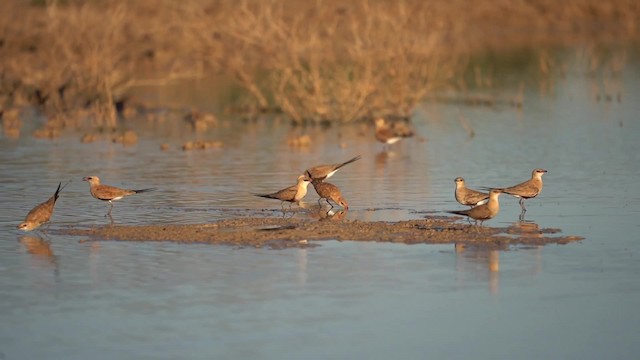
{"x": 110, "y": 218}
{"x": 110, "y": 208}
{"x": 521, "y": 217}
{"x": 522, "y": 205}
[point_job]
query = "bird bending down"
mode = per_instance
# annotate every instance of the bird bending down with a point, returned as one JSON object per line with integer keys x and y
{"x": 323, "y": 172}
{"x": 42, "y": 212}
{"x": 329, "y": 192}
{"x": 470, "y": 197}
{"x": 109, "y": 193}
{"x": 483, "y": 212}
{"x": 292, "y": 194}
{"x": 528, "y": 189}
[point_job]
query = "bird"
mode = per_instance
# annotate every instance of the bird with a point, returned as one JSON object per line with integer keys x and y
{"x": 323, "y": 172}
{"x": 109, "y": 193}
{"x": 528, "y": 189}
{"x": 330, "y": 192}
{"x": 485, "y": 211}
{"x": 41, "y": 213}
{"x": 292, "y": 194}
{"x": 466, "y": 196}
{"x": 384, "y": 133}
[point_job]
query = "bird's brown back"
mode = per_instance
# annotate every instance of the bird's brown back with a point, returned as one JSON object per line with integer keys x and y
{"x": 327, "y": 190}
{"x": 106, "y": 192}
{"x": 467, "y": 196}
{"x": 42, "y": 212}
{"x": 527, "y": 189}
{"x": 287, "y": 194}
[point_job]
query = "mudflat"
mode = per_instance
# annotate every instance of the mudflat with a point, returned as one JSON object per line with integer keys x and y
{"x": 280, "y": 233}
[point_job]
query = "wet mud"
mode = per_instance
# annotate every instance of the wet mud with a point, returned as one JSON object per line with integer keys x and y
{"x": 280, "y": 233}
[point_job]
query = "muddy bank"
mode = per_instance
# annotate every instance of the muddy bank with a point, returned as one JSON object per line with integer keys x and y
{"x": 285, "y": 233}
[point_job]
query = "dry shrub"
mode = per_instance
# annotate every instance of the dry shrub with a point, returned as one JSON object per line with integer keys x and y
{"x": 89, "y": 43}
{"x": 316, "y": 61}
{"x": 336, "y": 62}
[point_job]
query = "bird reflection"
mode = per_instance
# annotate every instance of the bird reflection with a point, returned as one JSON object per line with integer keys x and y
{"x": 40, "y": 250}
{"x": 383, "y": 157}
{"x": 469, "y": 257}
{"x": 323, "y": 214}
{"x": 38, "y": 247}
{"x": 525, "y": 228}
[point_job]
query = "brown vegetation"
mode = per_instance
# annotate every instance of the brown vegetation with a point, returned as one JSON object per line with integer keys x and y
{"x": 313, "y": 60}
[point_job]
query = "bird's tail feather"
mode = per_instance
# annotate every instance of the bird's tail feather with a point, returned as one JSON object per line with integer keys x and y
{"x": 144, "y": 190}
{"x": 349, "y": 161}
{"x": 59, "y": 189}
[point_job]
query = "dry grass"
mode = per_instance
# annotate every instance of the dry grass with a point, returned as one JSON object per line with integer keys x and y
{"x": 316, "y": 61}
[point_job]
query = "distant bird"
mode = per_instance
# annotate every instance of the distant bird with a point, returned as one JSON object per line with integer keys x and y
{"x": 466, "y": 196}
{"x": 385, "y": 133}
{"x": 528, "y": 189}
{"x": 330, "y": 192}
{"x": 323, "y": 172}
{"x": 109, "y": 193}
{"x": 402, "y": 128}
{"x": 292, "y": 194}
{"x": 483, "y": 212}
{"x": 41, "y": 213}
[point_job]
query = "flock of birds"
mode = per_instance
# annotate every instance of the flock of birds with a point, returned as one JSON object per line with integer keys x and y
{"x": 484, "y": 206}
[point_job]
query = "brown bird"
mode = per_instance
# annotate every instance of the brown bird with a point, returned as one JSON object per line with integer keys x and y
{"x": 528, "y": 189}
{"x": 292, "y": 194}
{"x": 329, "y": 192}
{"x": 384, "y": 133}
{"x": 402, "y": 128}
{"x": 323, "y": 172}
{"x": 109, "y": 193}
{"x": 483, "y": 212}
{"x": 41, "y": 213}
{"x": 466, "y": 196}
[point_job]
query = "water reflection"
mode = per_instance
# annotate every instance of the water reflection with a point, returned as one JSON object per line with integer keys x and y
{"x": 469, "y": 258}
{"x": 482, "y": 262}
{"x": 331, "y": 215}
{"x": 38, "y": 247}
{"x": 41, "y": 253}
{"x": 525, "y": 228}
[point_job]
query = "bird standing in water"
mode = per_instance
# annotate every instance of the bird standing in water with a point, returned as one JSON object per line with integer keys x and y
{"x": 41, "y": 213}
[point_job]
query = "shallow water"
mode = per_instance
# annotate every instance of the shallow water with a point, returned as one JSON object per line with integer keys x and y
{"x": 65, "y": 298}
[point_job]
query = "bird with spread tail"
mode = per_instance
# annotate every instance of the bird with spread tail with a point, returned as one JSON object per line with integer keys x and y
{"x": 323, "y": 172}
{"x": 469, "y": 197}
{"x": 41, "y": 213}
{"x": 109, "y": 193}
{"x": 291, "y": 194}
{"x": 485, "y": 211}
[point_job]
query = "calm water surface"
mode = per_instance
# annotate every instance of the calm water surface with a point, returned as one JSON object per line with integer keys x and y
{"x": 63, "y": 298}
